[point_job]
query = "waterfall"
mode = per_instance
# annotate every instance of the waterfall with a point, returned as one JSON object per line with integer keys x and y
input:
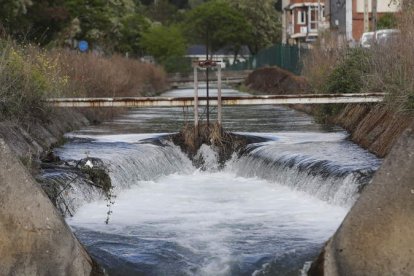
{"x": 330, "y": 179}
{"x": 126, "y": 164}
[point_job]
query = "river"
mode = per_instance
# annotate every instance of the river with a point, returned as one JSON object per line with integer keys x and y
{"x": 267, "y": 212}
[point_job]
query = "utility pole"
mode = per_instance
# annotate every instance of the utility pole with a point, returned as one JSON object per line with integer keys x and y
{"x": 319, "y": 16}
{"x": 207, "y": 86}
{"x": 366, "y": 16}
{"x": 374, "y": 16}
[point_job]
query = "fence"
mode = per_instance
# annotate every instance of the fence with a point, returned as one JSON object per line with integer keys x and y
{"x": 284, "y": 56}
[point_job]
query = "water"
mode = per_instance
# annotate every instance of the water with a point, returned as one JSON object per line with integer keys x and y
{"x": 265, "y": 213}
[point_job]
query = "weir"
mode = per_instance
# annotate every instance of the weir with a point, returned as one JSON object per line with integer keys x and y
{"x": 267, "y": 208}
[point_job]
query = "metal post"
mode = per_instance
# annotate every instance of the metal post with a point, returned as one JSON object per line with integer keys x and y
{"x": 195, "y": 98}
{"x": 207, "y": 84}
{"x": 319, "y": 16}
{"x": 219, "y": 114}
{"x": 374, "y": 19}
{"x": 208, "y": 96}
{"x": 366, "y": 16}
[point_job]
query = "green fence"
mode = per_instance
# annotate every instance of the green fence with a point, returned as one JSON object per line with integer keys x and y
{"x": 284, "y": 56}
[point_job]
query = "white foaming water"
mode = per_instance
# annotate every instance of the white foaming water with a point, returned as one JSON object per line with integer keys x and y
{"x": 266, "y": 213}
{"x": 208, "y": 224}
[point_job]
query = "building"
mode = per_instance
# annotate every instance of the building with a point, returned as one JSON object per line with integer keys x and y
{"x": 346, "y": 17}
{"x": 302, "y": 20}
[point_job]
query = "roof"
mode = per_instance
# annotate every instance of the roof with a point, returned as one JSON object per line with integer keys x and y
{"x": 304, "y": 4}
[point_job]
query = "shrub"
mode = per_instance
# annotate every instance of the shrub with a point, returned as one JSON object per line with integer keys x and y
{"x": 387, "y": 21}
{"x": 392, "y": 66}
{"x": 348, "y": 75}
{"x": 178, "y": 65}
{"x": 27, "y": 77}
{"x": 95, "y": 76}
{"x": 321, "y": 60}
{"x": 388, "y": 68}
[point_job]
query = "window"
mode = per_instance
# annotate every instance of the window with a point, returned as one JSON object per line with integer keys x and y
{"x": 301, "y": 17}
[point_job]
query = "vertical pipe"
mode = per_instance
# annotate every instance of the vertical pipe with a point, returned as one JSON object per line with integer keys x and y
{"x": 195, "y": 98}
{"x": 319, "y": 17}
{"x": 207, "y": 81}
{"x": 374, "y": 17}
{"x": 219, "y": 114}
{"x": 208, "y": 96}
{"x": 366, "y": 16}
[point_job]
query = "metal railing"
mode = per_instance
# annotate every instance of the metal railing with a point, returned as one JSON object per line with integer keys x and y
{"x": 241, "y": 100}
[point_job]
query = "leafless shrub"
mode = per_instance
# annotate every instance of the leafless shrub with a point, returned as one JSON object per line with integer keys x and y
{"x": 393, "y": 66}
{"x": 29, "y": 75}
{"x": 96, "y": 76}
{"x": 322, "y": 59}
{"x": 390, "y": 65}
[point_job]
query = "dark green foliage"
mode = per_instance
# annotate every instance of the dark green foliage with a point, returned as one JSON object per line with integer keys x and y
{"x": 165, "y": 44}
{"x": 99, "y": 176}
{"x": 264, "y": 21}
{"x": 387, "y": 21}
{"x": 347, "y": 76}
{"x": 163, "y": 12}
{"x": 178, "y": 65}
{"x": 217, "y": 25}
{"x": 108, "y": 25}
{"x": 325, "y": 112}
{"x": 131, "y": 30}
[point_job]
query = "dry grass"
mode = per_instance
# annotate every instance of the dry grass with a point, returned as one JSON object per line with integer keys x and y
{"x": 390, "y": 68}
{"x": 116, "y": 76}
{"x": 321, "y": 60}
{"x": 28, "y": 75}
{"x": 393, "y": 67}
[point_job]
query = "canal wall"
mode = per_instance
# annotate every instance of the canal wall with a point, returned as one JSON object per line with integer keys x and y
{"x": 376, "y": 236}
{"x": 34, "y": 238}
{"x": 29, "y": 140}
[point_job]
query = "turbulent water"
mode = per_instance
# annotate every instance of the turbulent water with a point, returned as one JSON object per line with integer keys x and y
{"x": 266, "y": 213}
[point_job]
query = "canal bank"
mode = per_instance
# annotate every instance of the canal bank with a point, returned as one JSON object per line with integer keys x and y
{"x": 35, "y": 239}
{"x": 372, "y": 126}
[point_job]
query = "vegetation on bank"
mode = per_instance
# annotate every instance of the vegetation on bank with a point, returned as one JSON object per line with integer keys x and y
{"x": 130, "y": 27}
{"x": 29, "y": 75}
{"x": 332, "y": 67}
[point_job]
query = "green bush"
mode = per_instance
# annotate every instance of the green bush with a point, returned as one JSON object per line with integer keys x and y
{"x": 27, "y": 77}
{"x": 178, "y": 65}
{"x": 348, "y": 75}
{"x": 387, "y": 21}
